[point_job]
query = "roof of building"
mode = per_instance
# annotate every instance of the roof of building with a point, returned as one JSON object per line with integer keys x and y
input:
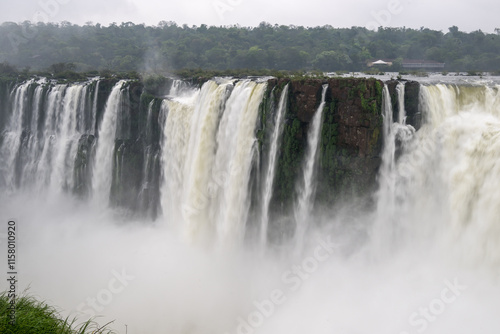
{"x": 380, "y": 62}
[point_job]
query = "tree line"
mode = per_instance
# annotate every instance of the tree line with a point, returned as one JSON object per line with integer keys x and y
{"x": 167, "y": 47}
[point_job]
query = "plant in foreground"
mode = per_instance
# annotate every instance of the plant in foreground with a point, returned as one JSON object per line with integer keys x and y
{"x": 34, "y": 316}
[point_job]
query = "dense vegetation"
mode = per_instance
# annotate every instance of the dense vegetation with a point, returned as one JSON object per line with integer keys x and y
{"x": 36, "y": 317}
{"x": 167, "y": 47}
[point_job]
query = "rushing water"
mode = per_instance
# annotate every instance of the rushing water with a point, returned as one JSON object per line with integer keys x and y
{"x": 307, "y": 184}
{"x": 426, "y": 259}
{"x": 271, "y": 167}
{"x": 102, "y": 173}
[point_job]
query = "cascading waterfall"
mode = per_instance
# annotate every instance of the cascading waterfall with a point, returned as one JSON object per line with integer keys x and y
{"x": 67, "y": 141}
{"x": 209, "y": 140}
{"x": 439, "y": 187}
{"x": 29, "y": 167}
{"x": 178, "y": 88}
{"x": 13, "y": 135}
{"x": 41, "y": 139}
{"x": 51, "y": 130}
{"x": 197, "y": 184}
{"x": 271, "y": 166}
{"x": 387, "y": 222}
{"x": 429, "y": 244}
{"x": 93, "y": 115}
{"x": 150, "y": 171}
{"x": 208, "y": 145}
{"x": 400, "y": 88}
{"x": 462, "y": 149}
{"x": 102, "y": 171}
{"x": 174, "y": 147}
{"x": 236, "y": 144}
{"x": 307, "y": 185}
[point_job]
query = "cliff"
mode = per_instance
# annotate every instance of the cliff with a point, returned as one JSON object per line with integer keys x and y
{"x": 350, "y": 145}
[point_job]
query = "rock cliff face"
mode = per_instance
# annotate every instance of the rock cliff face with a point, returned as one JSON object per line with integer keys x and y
{"x": 351, "y": 138}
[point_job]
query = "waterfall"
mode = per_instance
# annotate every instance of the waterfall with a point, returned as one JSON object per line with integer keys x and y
{"x": 102, "y": 170}
{"x": 13, "y": 136}
{"x": 400, "y": 88}
{"x": 461, "y": 145}
{"x": 236, "y": 144}
{"x": 50, "y": 134}
{"x": 67, "y": 139}
{"x": 423, "y": 247}
{"x": 387, "y": 222}
{"x": 149, "y": 181}
{"x": 442, "y": 187}
{"x": 93, "y": 118}
{"x": 178, "y": 88}
{"x": 28, "y": 173}
{"x": 197, "y": 185}
{"x": 208, "y": 148}
{"x": 201, "y": 166}
{"x": 271, "y": 165}
{"x": 41, "y": 138}
{"x": 307, "y": 184}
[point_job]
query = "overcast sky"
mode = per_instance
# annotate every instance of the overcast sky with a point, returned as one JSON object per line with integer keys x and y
{"x": 435, "y": 14}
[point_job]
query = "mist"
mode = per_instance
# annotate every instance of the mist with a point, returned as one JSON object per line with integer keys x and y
{"x": 142, "y": 275}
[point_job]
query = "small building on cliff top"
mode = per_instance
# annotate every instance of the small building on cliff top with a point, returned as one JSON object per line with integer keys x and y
{"x": 380, "y": 62}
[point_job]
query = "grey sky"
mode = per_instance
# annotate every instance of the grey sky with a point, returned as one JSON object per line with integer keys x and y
{"x": 435, "y": 14}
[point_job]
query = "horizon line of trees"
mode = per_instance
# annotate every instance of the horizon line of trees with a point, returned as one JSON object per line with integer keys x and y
{"x": 168, "y": 47}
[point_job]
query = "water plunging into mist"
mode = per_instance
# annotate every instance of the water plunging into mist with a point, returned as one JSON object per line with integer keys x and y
{"x": 400, "y": 89}
{"x": 236, "y": 148}
{"x": 448, "y": 176}
{"x": 178, "y": 88}
{"x": 93, "y": 115}
{"x": 307, "y": 185}
{"x": 435, "y": 219}
{"x": 67, "y": 140}
{"x": 208, "y": 150}
{"x": 102, "y": 174}
{"x": 271, "y": 166}
{"x": 41, "y": 138}
{"x": 386, "y": 223}
{"x": 12, "y": 137}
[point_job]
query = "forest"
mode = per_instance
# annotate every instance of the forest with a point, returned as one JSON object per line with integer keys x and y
{"x": 168, "y": 47}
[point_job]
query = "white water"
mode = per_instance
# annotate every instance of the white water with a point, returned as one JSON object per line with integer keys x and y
{"x": 271, "y": 166}
{"x": 443, "y": 206}
{"x": 387, "y": 224}
{"x": 151, "y": 159}
{"x": 198, "y": 168}
{"x": 93, "y": 118}
{"x": 32, "y": 147}
{"x": 448, "y": 177}
{"x": 179, "y": 88}
{"x": 67, "y": 139}
{"x": 12, "y": 137}
{"x": 102, "y": 170}
{"x": 207, "y": 156}
{"x": 307, "y": 184}
{"x": 236, "y": 144}
{"x": 46, "y": 156}
{"x": 400, "y": 88}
